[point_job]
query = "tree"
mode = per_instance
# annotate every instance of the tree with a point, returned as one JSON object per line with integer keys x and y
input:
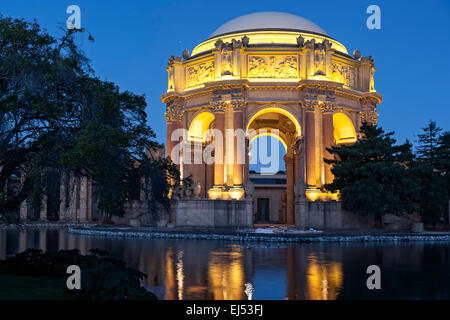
{"x": 443, "y": 165}
{"x": 429, "y": 170}
{"x": 55, "y": 113}
{"x": 38, "y": 83}
{"x": 372, "y": 174}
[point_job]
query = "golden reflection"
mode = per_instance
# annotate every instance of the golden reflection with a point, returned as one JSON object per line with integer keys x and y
{"x": 180, "y": 275}
{"x": 324, "y": 280}
{"x": 226, "y": 275}
{"x": 170, "y": 277}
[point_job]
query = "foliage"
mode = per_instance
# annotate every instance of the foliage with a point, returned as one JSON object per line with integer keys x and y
{"x": 102, "y": 277}
{"x": 54, "y": 113}
{"x": 430, "y": 169}
{"x": 372, "y": 174}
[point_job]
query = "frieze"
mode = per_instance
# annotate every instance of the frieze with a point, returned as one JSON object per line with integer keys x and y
{"x": 343, "y": 74}
{"x": 199, "y": 74}
{"x": 272, "y": 67}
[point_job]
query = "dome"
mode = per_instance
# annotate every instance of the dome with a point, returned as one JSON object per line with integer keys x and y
{"x": 268, "y": 21}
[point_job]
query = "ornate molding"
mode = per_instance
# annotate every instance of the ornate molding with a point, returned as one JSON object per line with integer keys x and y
{"x": 368, "y": 111}
{"x": 219, "y": 106}
{"x": 238, "y": 105}
{"x": 174, "y": 109}
{"x": 309, "y": 105}
{"x": 327, "y": 107}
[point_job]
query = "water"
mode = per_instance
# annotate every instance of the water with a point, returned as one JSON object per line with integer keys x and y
{"x": 201, "y": 269}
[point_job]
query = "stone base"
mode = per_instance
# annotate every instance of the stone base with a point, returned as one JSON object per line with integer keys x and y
{"x": 327, "y": 215}
{"x": 213, "y": 213}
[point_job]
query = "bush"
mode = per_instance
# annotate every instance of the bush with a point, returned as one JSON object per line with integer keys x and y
{"x": 102, "y": 277}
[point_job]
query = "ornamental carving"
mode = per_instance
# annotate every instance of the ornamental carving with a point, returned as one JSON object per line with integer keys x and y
{"x": 370, "y": 116}
{"x": 368, "y": 111}
{"x": 199, "y": 74}
{"x": 219, "y": 106}
{"x": 238, "y": 105}
{"x": 272, "y": 67}
{"x": 326, "y": 107}
{"x": 309, "y": 105}
{"x": 174, "y": 109}
{"x": 343, "y": 74}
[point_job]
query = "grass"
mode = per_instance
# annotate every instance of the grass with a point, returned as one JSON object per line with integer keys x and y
{"x": 13, "y": 287}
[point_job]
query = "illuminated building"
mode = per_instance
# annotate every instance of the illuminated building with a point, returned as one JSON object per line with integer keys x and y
{"x": 267, "y": 71}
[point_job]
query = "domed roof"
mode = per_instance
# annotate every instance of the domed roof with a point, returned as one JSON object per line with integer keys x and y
{"x": 268, "y": 21}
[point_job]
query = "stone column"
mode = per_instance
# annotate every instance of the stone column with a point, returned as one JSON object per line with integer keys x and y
{"x": 173, "y": 115}
{"x": 43, "y": 239}
{"x": 83, "y": 216}
{"x": 328, "y": 139}
{"x": 239, "y": 146}
{"x": 229, "y": 145}
{"x": 310, "y": 144}
{"x": 171, "y": 127}
{"x": 289, "y": 161}
{"x": 62, "y": 196}
{"x": 239, "y": 150}
{"x": 23, "y": 210}
{"x": 219, "y": 163}
{"x": 43, "y": 211}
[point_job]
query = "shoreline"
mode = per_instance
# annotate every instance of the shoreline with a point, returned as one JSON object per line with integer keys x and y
{"x": 273, "y": 234}
{"x": 252, "y": 236}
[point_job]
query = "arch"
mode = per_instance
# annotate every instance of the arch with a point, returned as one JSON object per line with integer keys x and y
{"x": 199, "y": 125}
{"x": 343, "y": 129}
{"x": 268, "y": 133}
{"x": 276, "y": 110}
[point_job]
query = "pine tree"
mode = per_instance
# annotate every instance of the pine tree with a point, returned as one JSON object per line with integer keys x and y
{"x": 433, "y": 195}
{"x": 428, "y": 143}
{"x": 372, "y": 175}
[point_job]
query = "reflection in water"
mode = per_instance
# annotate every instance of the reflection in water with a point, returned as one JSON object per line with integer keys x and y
{"x": 198, "y": 269}
{"x": 324, "y": 280}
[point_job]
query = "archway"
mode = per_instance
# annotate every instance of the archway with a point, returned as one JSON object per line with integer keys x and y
{"x": 343, "y": 129}
{"x": 274, "y": 188}
{"x": 199, "y": 126}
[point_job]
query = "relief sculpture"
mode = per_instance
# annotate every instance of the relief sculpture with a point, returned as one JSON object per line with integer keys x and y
{"x": 344, "y": 74}
{"x": 200, "y": 73}
{"x": 272, "y": 67}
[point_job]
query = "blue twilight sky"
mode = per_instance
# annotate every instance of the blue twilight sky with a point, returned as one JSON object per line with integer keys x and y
{"x": 134, "y": 39}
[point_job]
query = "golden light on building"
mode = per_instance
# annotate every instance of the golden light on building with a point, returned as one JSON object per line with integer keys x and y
{"x": 278, "y": 75}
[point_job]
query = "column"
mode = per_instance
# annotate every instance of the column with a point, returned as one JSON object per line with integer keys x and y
{"x": 239, "y": 147}
{"x": 310, "y": 146}
{"x": 229, "y": 146}
{"x": 289, "y": 162}
{"x": 219, "y": 163}
{"x": 62, "y": 196}
{"x": 83, "y": 217}
{"x": 328, "y": 141}
{"x": 217, "y": 191}
{"x": 43, "y": 210}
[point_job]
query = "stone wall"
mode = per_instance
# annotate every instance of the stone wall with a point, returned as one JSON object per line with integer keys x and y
{"x": 328, "y": 215}
{"x": 213, "y": 213}
{"x": 138, "y": 213}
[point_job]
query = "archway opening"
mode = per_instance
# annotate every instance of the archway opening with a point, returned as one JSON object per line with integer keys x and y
{"x": 271, "y": 132}
{"x": 267, "y": 172}
{"x": 199, "y": 126}
{"x": 343, "y": 129}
